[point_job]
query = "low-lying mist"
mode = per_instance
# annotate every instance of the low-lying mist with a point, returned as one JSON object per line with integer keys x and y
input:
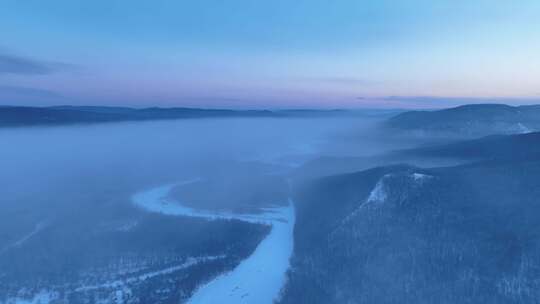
{"x": 69, "y": 219}
{"x": 56, "y": 158}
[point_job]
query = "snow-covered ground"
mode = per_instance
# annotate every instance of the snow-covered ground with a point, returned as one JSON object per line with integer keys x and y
{"x": 42, "y": 297}
{"x": 379, "y": 194}
{"x": 522, "y": 129}
{"x": 142, "y": 277}
{"x": 156, "y": 200}
{"x": 39, "y": 226}
{"x": 260, "y": 277}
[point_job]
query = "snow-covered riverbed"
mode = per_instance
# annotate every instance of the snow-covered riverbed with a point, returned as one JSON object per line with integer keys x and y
{"x": 260, "y": 277}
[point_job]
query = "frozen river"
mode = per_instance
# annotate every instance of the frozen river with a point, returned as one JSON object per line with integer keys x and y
{"x": 257, "y": 279}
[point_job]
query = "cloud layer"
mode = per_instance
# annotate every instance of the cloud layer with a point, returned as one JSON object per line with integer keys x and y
{"x": 14, "y": 64}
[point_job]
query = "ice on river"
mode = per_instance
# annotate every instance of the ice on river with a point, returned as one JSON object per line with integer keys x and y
{"x": 257, "y": 279}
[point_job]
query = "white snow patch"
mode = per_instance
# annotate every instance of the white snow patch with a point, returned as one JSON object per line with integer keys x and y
{"x": 38, "y": 227}
{"x": 42, "y": 297}
{"x": 523, "y": 129}
{"x": 420, "y": 177}
{"x": 120, "y": 294}
{"x": 378, "y": 194}
{"x": 257, "y": 279}
{"x": 119, "y": 283}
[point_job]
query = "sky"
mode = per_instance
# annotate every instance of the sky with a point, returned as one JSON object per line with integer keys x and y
{"x": 269, "y": 54}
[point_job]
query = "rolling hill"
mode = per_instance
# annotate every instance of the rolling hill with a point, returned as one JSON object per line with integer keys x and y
{"x": 470, "y": 120}
{"x": 402, "y": 234}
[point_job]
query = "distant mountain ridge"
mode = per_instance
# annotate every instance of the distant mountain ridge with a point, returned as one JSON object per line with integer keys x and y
{"x": 16, "y": 116}
{"x": 59, "y": 115}
{"x": 474, "y": 120}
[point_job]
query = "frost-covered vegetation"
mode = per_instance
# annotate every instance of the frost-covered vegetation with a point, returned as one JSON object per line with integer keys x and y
{"x": 401, "y": 234}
